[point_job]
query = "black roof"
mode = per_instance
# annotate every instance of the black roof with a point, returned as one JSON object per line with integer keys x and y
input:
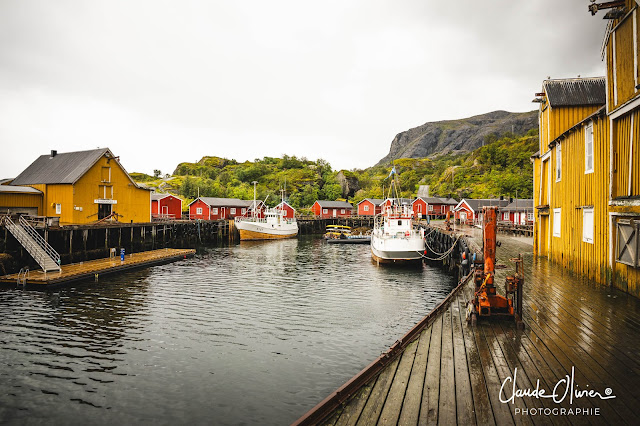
{"x": 576, "y": 91}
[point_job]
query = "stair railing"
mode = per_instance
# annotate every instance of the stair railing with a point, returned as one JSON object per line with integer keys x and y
{"x": 41, "y": 241}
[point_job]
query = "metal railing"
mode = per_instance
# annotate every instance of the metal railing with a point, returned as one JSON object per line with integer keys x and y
{"x": 38, "y": 248}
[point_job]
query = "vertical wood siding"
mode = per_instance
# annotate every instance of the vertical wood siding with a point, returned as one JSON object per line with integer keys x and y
{"x": 575, "y": 191}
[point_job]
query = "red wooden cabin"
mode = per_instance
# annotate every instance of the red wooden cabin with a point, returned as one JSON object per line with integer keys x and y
{"x": 165, "y": 206}
{"x": 519, "y": 212}
{"x": 289, "y": 212}
{"x": 328, "y": 209}
{"x": 370, "y": 207}
{"x": 210, "y": 208}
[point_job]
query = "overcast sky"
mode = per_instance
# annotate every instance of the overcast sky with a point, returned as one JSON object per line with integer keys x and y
{"x": 161, "y": 82}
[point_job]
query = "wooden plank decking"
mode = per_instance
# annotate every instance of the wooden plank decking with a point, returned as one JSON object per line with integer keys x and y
{"x": 83, "y": 270}
{"x": 452, "y": 373}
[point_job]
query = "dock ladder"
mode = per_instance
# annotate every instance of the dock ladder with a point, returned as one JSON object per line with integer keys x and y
{"x": 38, "y": 248}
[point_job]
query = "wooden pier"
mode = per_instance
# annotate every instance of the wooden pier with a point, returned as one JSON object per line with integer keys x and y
{"x": 99, "y": 267}
{"x": 445, "y": 371}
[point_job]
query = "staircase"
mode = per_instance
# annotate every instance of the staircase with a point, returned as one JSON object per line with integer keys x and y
{"x": 38, "y": 248}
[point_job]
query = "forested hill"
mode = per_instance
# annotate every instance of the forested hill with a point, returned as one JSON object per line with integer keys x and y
{"x": 500, "y": 167}
{"x": 457, "y": 136}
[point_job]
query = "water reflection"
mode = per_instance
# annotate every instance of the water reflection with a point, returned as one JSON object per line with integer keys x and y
{"x": 255, "y": 333}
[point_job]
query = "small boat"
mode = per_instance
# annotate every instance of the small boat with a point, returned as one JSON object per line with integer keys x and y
{"x": 270, "y": 225}
{"x": 334, "y": 232}
{"x": 352, "y": 239}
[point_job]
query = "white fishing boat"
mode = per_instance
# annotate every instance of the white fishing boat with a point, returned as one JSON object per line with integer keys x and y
{"x": 268, "y": 225}
{"x": 394, "y": 238}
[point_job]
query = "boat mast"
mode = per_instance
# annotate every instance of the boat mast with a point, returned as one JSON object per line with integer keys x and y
{"x": 255, "y": 207}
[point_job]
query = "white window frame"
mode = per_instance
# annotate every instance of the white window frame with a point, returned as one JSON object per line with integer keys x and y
{"x": 530, "y": 217}
{"x": 505, "y": 216}
{"x": 430, "y": 207}
{"x": 342, "y": 211}
{"x": 558, "y": 162}
{"x": 587, "y": 225}
{"x": 214, "y": 211}
{"x": 365, "y": 208}
{"x": 557, "y": 222}
{"x": 198, "y": 210}
{"x": 325, "y": 211}
{"x": 58, "y": 208}
{"x": 588, "y": 151}
{"x": 243, "y": 211}
{"x": 232, "y": 210}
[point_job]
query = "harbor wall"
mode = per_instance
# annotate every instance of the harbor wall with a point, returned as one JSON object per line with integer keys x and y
{"x": 79, "y": 243}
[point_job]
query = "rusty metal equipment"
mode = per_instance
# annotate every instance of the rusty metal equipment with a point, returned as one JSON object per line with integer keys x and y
{"x": 447, "y": 222}
{"x": 486, "y": 301}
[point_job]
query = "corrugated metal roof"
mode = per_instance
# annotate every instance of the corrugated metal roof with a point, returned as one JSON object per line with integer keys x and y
{"x": 334, "y": 204}
{"x": 19, "y": 190}
{"x": 65, "y": 167}
{"x": 576, "y": 91}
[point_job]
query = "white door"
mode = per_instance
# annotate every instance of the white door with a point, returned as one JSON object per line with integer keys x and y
{"x": 516, "y": 218}
{"x": 335, "y": 212}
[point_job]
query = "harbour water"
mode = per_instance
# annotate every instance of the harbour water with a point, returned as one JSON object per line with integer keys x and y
{"x": 253, "y": 333}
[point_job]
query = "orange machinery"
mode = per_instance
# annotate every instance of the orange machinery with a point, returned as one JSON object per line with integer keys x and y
{"x": 486, "y": 301}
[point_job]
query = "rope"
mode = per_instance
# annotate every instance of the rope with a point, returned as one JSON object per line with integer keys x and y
{"x": 443, "y": 255}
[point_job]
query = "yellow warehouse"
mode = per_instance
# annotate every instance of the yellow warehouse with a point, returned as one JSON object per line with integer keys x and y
{"x": 86, "y": 186}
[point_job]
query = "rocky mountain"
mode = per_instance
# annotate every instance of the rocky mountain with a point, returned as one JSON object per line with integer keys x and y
{"x": 457, "y": 136}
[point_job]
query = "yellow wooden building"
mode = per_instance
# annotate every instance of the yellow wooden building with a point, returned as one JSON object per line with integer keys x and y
{"x": 84, "y": 187}
{"x": 587, "y": 173}
{"x": 620, "y": 50}
{"x": 569, "y": 174}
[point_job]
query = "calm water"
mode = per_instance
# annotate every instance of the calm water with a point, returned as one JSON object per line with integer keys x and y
{"x": 255, "y": 333}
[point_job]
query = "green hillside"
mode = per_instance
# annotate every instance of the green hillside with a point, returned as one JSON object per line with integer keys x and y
{"x": 500, "y": 167}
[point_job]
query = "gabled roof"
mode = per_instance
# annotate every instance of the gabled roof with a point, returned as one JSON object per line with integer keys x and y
{"x": 575, "y": 91}
{"x": 8, "y": 189}
{"x": 478, "y": 204}
{"x": 5, "y": 181}
{"x": 374, "y": 201}
{"x": 400, "y": 201}
{"x": 284, "y": 202}
{"x": 225, "y": 202}
{"x": 157, "y": 196}
{"x": 520, "y": 205}
{"x": 66, "y": 167}
{"x": 434, "y": 200}
{"x": 334, "y": 204}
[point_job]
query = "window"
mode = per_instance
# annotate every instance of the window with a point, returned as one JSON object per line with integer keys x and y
{"x": 214, "y": 210}
{"x": 244, "y": 211}
{"x": 530, "y": 217}
{"x": 365, "y": 208}
{"x": 588, "y": 148}
{"x": 587, "y": 225}
{"x": 430, "y": 207}
{"x": 199, "y": 210}
{"x": 106, "y": 174}
{"x": 232, "y": 210}
{"x": 505, "y": 216}
{"x": 556, "y": 222}
{"x": 325, "y": 211}
{"x": 558, "y": 162}
{"x": 342, "y": 211}
{"x": 58, "y": 208}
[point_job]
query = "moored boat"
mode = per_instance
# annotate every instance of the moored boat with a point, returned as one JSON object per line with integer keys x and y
{"x": 270, "y": 225}
{"x": 394, "y": 239}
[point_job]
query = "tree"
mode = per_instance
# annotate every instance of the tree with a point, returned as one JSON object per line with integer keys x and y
{"x": 157, "y": 173}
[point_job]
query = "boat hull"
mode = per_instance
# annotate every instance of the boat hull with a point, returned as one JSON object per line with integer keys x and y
{"x": 397, "y": 250}
{"x": 260, "y": 231}
{"x": 400, "y": 257}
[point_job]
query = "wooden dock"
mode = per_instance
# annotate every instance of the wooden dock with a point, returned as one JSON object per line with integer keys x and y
{"x": 449, "y": 372}
{"x": 89, "y": 269}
